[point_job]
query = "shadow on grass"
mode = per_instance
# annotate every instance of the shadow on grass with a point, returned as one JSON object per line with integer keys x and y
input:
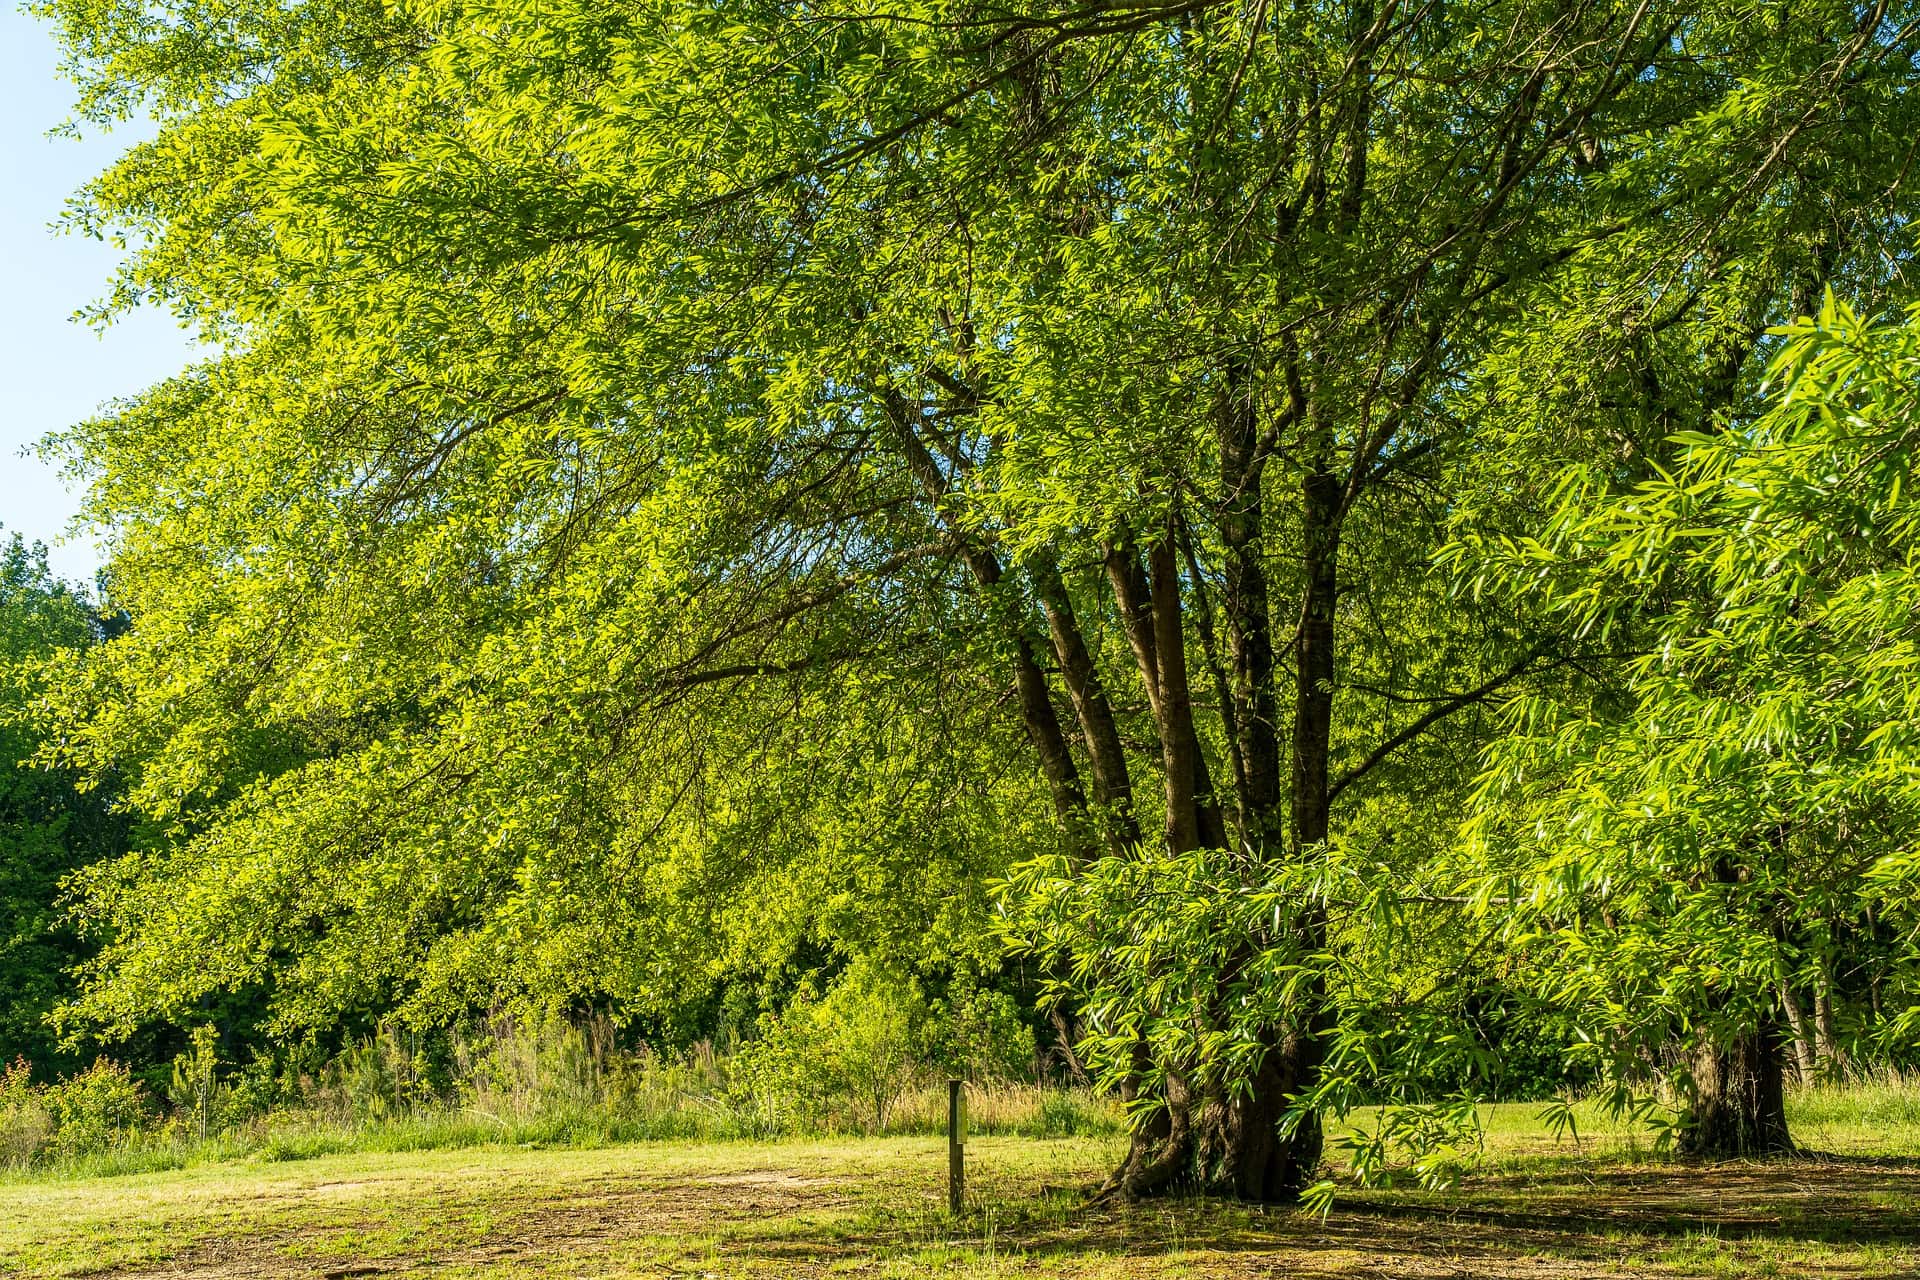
{"x": 1847, "y": 1217}
{"x": 1815, "y": 1198}
{"x": 1823, "y": 1205}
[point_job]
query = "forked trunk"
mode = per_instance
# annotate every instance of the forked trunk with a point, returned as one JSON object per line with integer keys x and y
{"x": 1233, "y": 1145}
{"x": 1230, "y": 1146}
{"x": 1739, "y": 1106}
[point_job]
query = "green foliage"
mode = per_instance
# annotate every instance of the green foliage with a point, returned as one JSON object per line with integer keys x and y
{"x": 977, "y": 1033}
{"x": 97, "y": 1108}
{"x": 25, "y": 1122}
{"x": 49, "y": 826}
{"x": 92, "y": 1111}
{"x": 1741, "y": 820}
{"x": 193, "y": 1085}
{"x": 864, "y": 1040}
{"x": 570, "y": 621}
{"x": 644, "y": 441}
{"x": 502, "y": 1081}
{"x": 1144, "y": 941}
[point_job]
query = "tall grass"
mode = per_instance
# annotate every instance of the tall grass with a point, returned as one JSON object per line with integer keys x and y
{"x": 503, "y": 1082}
{"x": 1867, "y": 1112}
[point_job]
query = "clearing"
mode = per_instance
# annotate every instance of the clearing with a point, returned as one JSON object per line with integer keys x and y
{"x": 874, "y": 1208}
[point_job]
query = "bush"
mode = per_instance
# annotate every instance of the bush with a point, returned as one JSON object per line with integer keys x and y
{"x": 870, "y": 1054}
{"x": 96, "y": 1110}
{"x": 848, "y": 1054}
{"x": 25, "y": 1123}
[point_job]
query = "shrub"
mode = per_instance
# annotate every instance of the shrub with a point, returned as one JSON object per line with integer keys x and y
{"x": 97, "y": 1109}
{"x": 25, "y": 1123}
{"x": 851, "y": 1052}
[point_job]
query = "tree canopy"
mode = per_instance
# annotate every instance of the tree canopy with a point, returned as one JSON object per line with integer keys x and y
{"x": 684, "y": 480}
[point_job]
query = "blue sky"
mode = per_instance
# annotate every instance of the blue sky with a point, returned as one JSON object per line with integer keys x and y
{"x": 56, "y": 370}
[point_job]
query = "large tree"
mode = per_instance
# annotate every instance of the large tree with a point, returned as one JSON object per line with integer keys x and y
{"x": 659, "y": 452}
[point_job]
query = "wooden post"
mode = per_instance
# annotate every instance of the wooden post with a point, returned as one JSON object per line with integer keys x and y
{"x": 956, "y": 1145}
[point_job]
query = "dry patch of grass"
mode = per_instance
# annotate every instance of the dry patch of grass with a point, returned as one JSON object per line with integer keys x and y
{"x": 875, "y": 1208}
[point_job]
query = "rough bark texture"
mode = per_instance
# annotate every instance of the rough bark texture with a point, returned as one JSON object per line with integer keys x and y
{"x": 1739, "y": 1107}
{"x": 1239, "y": 1149}
{"x": 1160, "y": 1154}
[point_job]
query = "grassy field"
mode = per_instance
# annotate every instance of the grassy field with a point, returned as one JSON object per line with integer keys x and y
{"x": 875, "y": 1208}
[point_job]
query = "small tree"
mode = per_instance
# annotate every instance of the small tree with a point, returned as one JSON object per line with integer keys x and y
{"x": 194, "y": 1071}
{"x": 1679, "y": 857}
{"x": 864, "y": 1041}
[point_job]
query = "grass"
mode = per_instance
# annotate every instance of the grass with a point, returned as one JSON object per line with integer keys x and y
{"x": 874, "y": 1207}
{"x": 1010, "y": 1110}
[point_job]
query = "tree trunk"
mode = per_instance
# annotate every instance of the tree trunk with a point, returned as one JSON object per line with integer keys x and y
{"x": 1805, "y": 1060}
{"x": 1833, "y": 1059}
{"x": 1739, "y": 1106}
{"x": 1160, "y": 1151}
{"x": 1239, "y": 1149}
{"x": 1249, "y": 615}
{"x": 1106, "y": 755}
{"x": 1237, "y": 1146}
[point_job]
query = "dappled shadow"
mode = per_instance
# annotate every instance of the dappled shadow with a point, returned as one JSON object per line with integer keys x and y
{"x": 1812, "y": 1199}
{"x": 783, "y": 1220}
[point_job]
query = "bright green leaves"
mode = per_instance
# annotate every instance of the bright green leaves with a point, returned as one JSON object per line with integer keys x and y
{"x": 1757, "y": 801}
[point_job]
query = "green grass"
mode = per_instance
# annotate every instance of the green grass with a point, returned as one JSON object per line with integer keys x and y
{"x": 1015, "y": 1110}
{"x": 874, "y": 1207}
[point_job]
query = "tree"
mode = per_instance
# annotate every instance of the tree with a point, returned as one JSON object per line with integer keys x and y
{"x": 48, "y": 828}
{"x": 1740, "y": 821}
{"x": 654, "y": 445}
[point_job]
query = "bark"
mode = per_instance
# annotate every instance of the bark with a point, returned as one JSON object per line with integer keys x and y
{"x": 1106, "y": 755}
{"x": 1232, "y": 1144}
{"x": 1314, "y": 656}
{"x": 1806, "y": 1062}
{"x": 1160, "y": 1155}
{"x": 1237, "y": 1142}
{"x": 1739, "y": 1105}
{"x": 1064, "y": 1036}
{"x": 1135, "y": 600}
{"x": 1243, "y": 1159}
{"x": 1239, "y": 1149}
{"x": 1833, "y": 1059}
{"x": 1179, "y": 744}
{"x": 1151, "y": 614}
{"x": 1249, "y": 619}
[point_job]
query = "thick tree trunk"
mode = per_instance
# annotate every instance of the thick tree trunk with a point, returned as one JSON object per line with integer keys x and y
{"x": 1242, "y": 1157}
{"x": 1238, "y": 1147}
{"x": 1739, "y": 1106}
